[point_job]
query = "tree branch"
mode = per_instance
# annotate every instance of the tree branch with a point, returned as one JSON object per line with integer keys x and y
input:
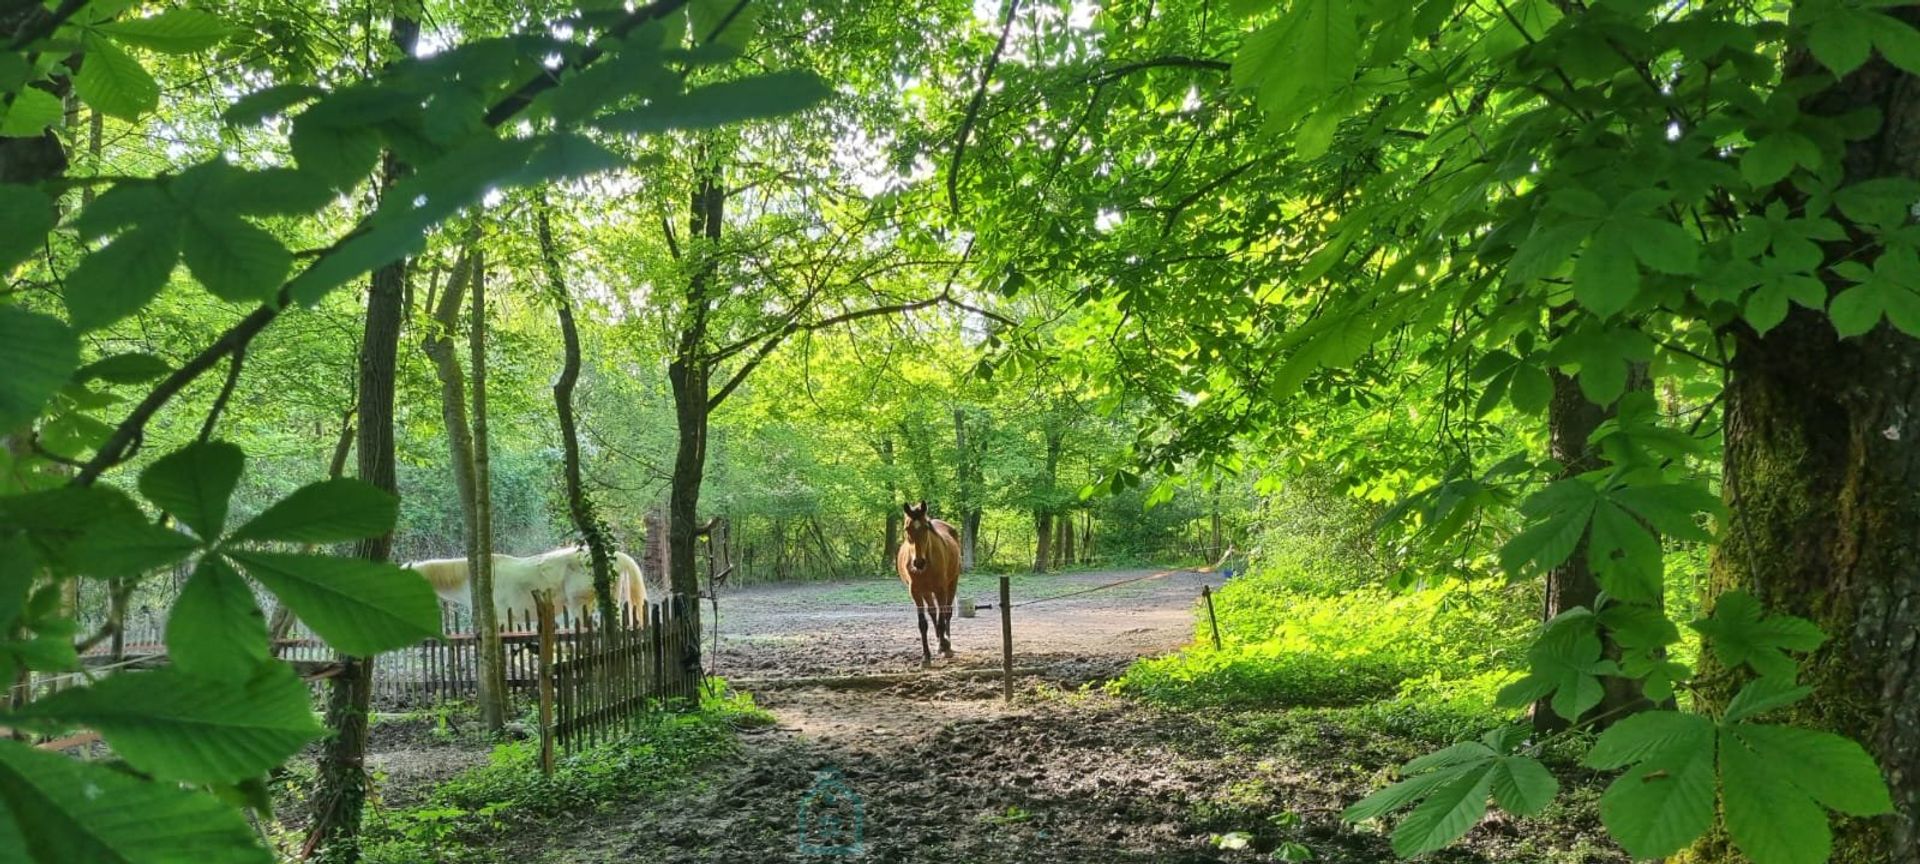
{"x": 226, "y": 392}
{"x": 774, "y": 339}
{"x": 973, "y": 108}
{"x": 1175, "y": 61}
{"x": 115, "y": 449}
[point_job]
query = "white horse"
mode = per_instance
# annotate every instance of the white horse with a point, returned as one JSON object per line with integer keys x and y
{"x": 565, "y": 574}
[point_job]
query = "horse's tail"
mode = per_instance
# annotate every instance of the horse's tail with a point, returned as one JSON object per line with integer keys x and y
{"x": 632, "y": 584}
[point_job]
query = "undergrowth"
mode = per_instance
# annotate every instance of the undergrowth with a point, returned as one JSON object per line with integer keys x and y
{"x": 1312, "y": 625}
{"x": 460, "y": 820}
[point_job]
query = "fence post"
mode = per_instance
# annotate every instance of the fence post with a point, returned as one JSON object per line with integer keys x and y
{"x": 543, "y": 612}
{"x": 1006, "y": 635}
{"x": 1206, "y": 591}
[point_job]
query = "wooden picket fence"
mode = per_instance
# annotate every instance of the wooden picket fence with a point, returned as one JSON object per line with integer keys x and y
{"x": 605, "y": 679}
{"x": 600, "y": 678}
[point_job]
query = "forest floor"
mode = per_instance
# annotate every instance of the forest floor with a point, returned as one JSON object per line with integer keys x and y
{"x": 946, "y": 771}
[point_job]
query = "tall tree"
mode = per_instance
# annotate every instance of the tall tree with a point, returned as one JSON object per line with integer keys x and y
{"x": 438, "y": 346}
{"x": 586, "y": 519}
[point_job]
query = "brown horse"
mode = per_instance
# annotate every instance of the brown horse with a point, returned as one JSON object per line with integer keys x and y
{"x": 929, "y": 563}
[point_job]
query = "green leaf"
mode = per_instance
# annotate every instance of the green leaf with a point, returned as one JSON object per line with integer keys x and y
{"x": 1604, "y": 279}
{"x": 1834, "y": 771}
{"x": 1770, "y": 820}
{"x": 59, "y": 810}
{"x": 1772, "y": 158}
{"x": 1738, "y": 632}
{"x": 1897, "y": 41}
{"x": 1842, "y": 38}
{"x": 1447, "y": 815}
{"x": 330, "y": 511}
{"x": 1530, "y": 389}
{"x": 1406, "y": 791}
{"x": 1562, "y": 511}
{"x": 1565, "y": 662}
{"x": 1523, "y": 786}
{"x": 270, "y": 192}
{"x": 193, "y": 483}
{"x": 131, "y": 368}
{"x": 1666, "y": 800}
{"x": 126, "y": 205}
{"x": 126, "y": 545}
{"x": 180, "y": 727}
{"x": 1310, "y": 51}
{"x": 1624, "y": 554}
{"x": 39, "y": 354}
{"x": 174, "y": 31}
{"x": 257, "y": 106}
{"x": 1856, "y": 310}
{"x": 358, "y": 607}
{"x": 1546, "y": 250}
{"x": 32, "y": 112}
{"x": 1664, "y": 246}
{"x": 234, "y": 259}
{"x": 112, "y": 81}
{"x": 755, "y": 98}
{"x": 1672, "y": 508}
{"x": 1764, "y": 694}
{"x": 1880, "y": 201}
{"x": 26, "y": 215}
{"x": 342, "y": 155}
{"x": 215, "y": 629}
{"x": 117, "y": 281}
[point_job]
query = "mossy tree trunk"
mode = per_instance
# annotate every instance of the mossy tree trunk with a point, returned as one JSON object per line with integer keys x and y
{"x": 1822, "y": 474}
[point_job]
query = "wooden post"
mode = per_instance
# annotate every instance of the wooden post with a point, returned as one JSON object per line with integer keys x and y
{"x": 543, "y": 612}
{"x": 1006, "y": 635}
{"x": 1206, "y": 591}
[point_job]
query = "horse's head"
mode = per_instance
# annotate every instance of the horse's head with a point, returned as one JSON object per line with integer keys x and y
{"x": 919, "y": 534}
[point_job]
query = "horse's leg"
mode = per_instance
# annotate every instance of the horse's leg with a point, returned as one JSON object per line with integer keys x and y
{"x": 945, "y": 627}
{"x": 926, "y": 655}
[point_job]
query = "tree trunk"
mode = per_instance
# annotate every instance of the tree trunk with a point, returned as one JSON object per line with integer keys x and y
{"x": 1066, "y": 539}
{"x": 891, "y": 548}
{"x": 585, "y": 520}
{"x": 1822, "y": 474}
{"x": 690, "y": 375}
{"x": 342, "y": 784}
{"x": 654, "y": 556}
{"x": 967, "y": 473}
{"x": 1043, "y": 540}
{"x": 493, "y": 653}
{"x": 438, "y": 347}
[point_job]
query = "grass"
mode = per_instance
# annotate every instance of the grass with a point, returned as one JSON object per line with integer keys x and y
{"x": 463, "y": 818}
{"x": 1300, "y": 631}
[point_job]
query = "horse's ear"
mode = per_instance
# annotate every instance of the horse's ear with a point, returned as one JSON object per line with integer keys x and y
{"x": 923, "y": 507}
{"x": 907, "y": 508}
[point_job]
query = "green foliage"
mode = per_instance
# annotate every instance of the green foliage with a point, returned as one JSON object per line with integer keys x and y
{"x": 1287, "y": 642}
{"x": 233, "y": 204}
{"x": 1452, "y": 787}
{"x": 62, "y": 809}
{"x": 509, "y": 793}
{"x": 1771, "y": 781}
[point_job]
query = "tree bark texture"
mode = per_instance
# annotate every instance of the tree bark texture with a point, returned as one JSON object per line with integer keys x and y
{"x": 341, "y": 793}
{"x": 1822, "y": 475}
{"x": 586, "y": 520}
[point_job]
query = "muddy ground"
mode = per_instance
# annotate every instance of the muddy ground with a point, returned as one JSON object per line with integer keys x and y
{"x": 944, "y": 770}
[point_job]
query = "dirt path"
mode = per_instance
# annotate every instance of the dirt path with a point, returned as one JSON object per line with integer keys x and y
{"x": 945, "y": 771}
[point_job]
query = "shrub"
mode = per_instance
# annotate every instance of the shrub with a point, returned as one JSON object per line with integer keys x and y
{"x": 1296, "y": 636}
